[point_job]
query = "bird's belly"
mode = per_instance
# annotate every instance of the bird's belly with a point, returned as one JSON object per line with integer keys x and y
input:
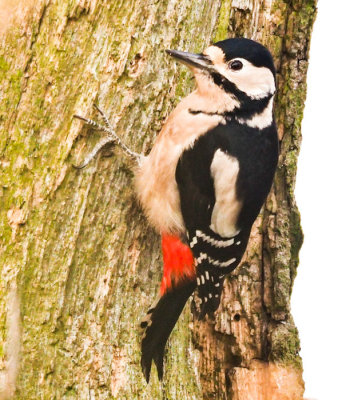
{"x": 157, "y": 190}
{"x": 155, "y": 182}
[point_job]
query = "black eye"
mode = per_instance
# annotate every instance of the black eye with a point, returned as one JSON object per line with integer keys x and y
{"x": 236, "y": 65}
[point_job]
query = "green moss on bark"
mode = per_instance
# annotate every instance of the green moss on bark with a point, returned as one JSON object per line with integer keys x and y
{"x": 285, "y": 345}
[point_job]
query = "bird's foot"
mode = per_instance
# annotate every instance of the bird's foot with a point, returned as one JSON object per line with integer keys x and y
{"x": 111, "y": 138}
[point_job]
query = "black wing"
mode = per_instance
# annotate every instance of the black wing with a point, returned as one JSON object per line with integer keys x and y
{"x": 215, "y": 255}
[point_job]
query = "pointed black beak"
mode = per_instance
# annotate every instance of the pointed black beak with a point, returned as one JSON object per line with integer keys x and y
{"x": 191, "y": 59}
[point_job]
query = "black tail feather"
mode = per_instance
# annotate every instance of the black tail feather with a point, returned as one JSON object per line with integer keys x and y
{"x": 210, "y": 286}
{"x": 159, "y": 323}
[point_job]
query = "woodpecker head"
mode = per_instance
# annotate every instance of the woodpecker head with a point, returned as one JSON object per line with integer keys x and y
{"x": 241, "y": 69}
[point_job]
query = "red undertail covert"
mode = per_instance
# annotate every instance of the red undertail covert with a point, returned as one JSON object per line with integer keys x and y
{"x": 178, "y": 262}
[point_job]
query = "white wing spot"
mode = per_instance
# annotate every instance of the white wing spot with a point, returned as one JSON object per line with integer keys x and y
{"x": 193, "y": 242}
{"x": 221, "y": 264}
{"x": 207, "y": 275}
{"x": 202, "y": 279}
{"x": 198, "y": 281}
{"x": 202, "y": 257}
{"x": 210, "y": 295}
{"x": 214, "y": 242}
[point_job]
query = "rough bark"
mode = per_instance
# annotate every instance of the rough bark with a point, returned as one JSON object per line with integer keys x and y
{"x": 79, "y": 263}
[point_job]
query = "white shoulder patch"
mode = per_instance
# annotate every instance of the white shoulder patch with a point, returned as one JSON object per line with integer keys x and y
{"x": 224, "y": 171}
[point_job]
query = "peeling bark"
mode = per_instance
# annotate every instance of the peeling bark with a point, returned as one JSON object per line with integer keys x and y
{"x": 75, "y": 244}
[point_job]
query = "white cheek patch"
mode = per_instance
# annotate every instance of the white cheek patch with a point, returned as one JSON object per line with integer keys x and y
{"x": 224, "y": 170}
{"x": 256, "y": 82}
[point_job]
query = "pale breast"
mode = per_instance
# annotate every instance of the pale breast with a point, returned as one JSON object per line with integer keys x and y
{"x": 155, "y": 179}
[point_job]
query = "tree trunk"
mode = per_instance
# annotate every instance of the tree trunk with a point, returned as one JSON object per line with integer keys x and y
{"x": 79, "y": 263}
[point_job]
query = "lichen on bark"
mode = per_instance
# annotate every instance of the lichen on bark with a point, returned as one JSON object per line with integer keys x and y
{"x": 75, "y": 244}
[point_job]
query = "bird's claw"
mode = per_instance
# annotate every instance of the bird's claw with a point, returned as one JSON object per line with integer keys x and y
{"x": 110, "y": 138}
{"x": 97, "y": 148}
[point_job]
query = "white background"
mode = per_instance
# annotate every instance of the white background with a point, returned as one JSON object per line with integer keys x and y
{"x": 315, "y": 294}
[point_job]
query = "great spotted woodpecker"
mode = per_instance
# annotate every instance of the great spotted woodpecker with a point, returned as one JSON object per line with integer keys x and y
{"x": 206, "y": 179}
